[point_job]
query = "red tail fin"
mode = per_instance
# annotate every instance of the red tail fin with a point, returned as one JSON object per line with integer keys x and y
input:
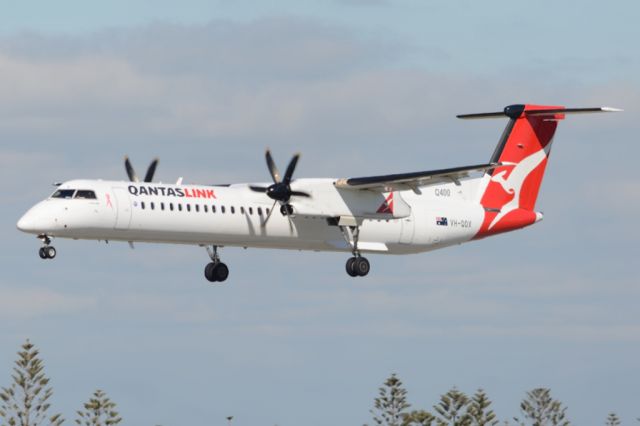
{"x": 509, "y": 192}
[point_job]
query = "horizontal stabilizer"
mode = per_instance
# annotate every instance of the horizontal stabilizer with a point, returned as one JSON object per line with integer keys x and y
{"x": 517, "y": 111}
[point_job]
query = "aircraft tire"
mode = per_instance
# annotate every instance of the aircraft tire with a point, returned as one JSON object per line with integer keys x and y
{"x": 361, "y": 266}
{"x": 50, "y": 252}
{"x": 350, "y": 267}
{"x": 41, "y": 253}
{"x": 221, "y": 272}
{"x": 209, "y": 272}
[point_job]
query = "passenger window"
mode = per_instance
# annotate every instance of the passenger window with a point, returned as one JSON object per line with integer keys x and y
{"x": 63, "y": 193}
{"x": 222, "y": 209}
{"x": 259, "y": 211}
{"x": 197, "y": 207}
{"x": 188, "y": 207}
{"x": 251, "y": 210}
{"x": 171, "y": 206}
{"x": 89, "y": 195}
{"x": 153, "y": 206}
{"x": 241, "y": 210}
{"x": 161, "y": 206}
{"x": 233, "y": 210}
{"x": 213, "y": 209}
{"x": 142, "y": 204}
{"x": 206, "y": 209}
{"x": 267, "y": 210}
{"x": 179, "y": 206}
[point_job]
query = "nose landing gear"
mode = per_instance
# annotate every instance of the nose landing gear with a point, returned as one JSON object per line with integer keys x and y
{"x": 215, "y": 271}
{"x": 47, "y": 251}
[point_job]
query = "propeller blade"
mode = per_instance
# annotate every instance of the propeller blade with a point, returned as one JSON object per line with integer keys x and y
{"x": 291, "y": 168}
{"x": 151, "y": 170}
{"x": 130, "y": 172}
{"x": 257, "y": 188}
{"x": 264, "y": 223}
{"x": 300, "y": 194}
{"x": 275, "y": 174}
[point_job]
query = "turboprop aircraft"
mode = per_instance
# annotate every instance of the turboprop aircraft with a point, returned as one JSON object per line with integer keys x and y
{"x": 386, "y": 214}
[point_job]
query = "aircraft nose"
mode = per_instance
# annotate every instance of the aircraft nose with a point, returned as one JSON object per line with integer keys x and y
{"x": 33, "y": 221}
{"x": 23, "y": 223}
{"x": 26, "y": 223}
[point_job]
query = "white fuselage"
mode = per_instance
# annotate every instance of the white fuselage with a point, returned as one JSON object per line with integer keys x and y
{"x": 430, "y": 217}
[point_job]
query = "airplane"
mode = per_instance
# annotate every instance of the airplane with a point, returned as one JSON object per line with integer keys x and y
{"x": 385, "y": 214}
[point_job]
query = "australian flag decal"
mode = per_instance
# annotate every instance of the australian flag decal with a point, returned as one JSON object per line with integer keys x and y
{"x": 442, "y": 221}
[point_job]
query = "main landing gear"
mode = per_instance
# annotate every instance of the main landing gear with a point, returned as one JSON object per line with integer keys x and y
{"x": 357, "y": 266}
{"x": 216, "y": 271}
{"x": 47, "y": 251}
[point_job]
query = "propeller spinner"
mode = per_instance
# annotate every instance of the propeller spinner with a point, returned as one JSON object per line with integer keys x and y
{"x": 133, "y": 177}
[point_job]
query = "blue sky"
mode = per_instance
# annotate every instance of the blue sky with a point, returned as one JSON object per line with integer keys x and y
{"x": 360, "y": 87}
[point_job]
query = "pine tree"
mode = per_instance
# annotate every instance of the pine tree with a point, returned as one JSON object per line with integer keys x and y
{"x": 418, "y": 418}
{"x": 479, "y": 410}
{"x": 391, "y": 404}
{"x": 540, "y": 409}
{"x": 452, "y": 409}
{"x": 99, "y": 411}
{"x": 613, "y": 420}
{"x": 25, "y": 402}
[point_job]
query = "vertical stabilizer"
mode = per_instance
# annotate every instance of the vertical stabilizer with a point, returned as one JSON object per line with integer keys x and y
{"x": 508, "y": 193}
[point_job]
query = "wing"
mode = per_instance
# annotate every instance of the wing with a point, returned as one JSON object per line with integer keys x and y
{"x": 413, "y": 180}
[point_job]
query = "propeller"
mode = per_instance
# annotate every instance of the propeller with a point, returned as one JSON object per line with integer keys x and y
{"x": 148, "y": 177}
{"x": 280, "y": 191}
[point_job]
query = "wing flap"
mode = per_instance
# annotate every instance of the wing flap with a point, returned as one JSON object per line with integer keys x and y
{"x": 402, "y": 181}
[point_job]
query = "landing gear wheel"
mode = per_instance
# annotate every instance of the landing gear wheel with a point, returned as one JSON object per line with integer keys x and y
{"x": 286, "y": 210}
{"x": 221, "y": 272}
{"x": 208, "y": 272}
{"x": 216, "y": 272}
{"x": 358, "y": 266}
{"x": 350, "y": 270}
{"x": 50, "y": 252}
{"x": 47, "y": 252}
{"x": 361, "y": 266}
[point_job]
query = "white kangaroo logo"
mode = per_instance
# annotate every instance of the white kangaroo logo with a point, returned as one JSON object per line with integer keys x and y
{"x": 513, "y": 184}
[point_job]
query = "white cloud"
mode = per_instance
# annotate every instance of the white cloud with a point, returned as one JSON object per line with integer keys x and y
{"x": 37, "y": 302}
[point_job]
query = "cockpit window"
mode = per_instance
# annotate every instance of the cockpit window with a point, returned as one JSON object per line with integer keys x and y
{"x": 63, "y": 193}
{"x": 81, "y": 193}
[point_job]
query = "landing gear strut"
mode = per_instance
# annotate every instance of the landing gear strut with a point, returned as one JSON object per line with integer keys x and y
{"x": 47, "y": 251}
{"x": 357, "y": 266}
{"x": 215, "y": 271}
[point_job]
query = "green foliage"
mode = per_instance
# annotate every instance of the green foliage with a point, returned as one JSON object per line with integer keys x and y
{"x": 479, "y": 411}
{"x": 539, "y": 409}
{"x": 451, "y": 409}
{"x": 418, "y": 418}
{"x": 99, "y": 411}
{"x": 613, "y": 420}
{"x": 25, "y": 402}
{"x": 391, "y": 404}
